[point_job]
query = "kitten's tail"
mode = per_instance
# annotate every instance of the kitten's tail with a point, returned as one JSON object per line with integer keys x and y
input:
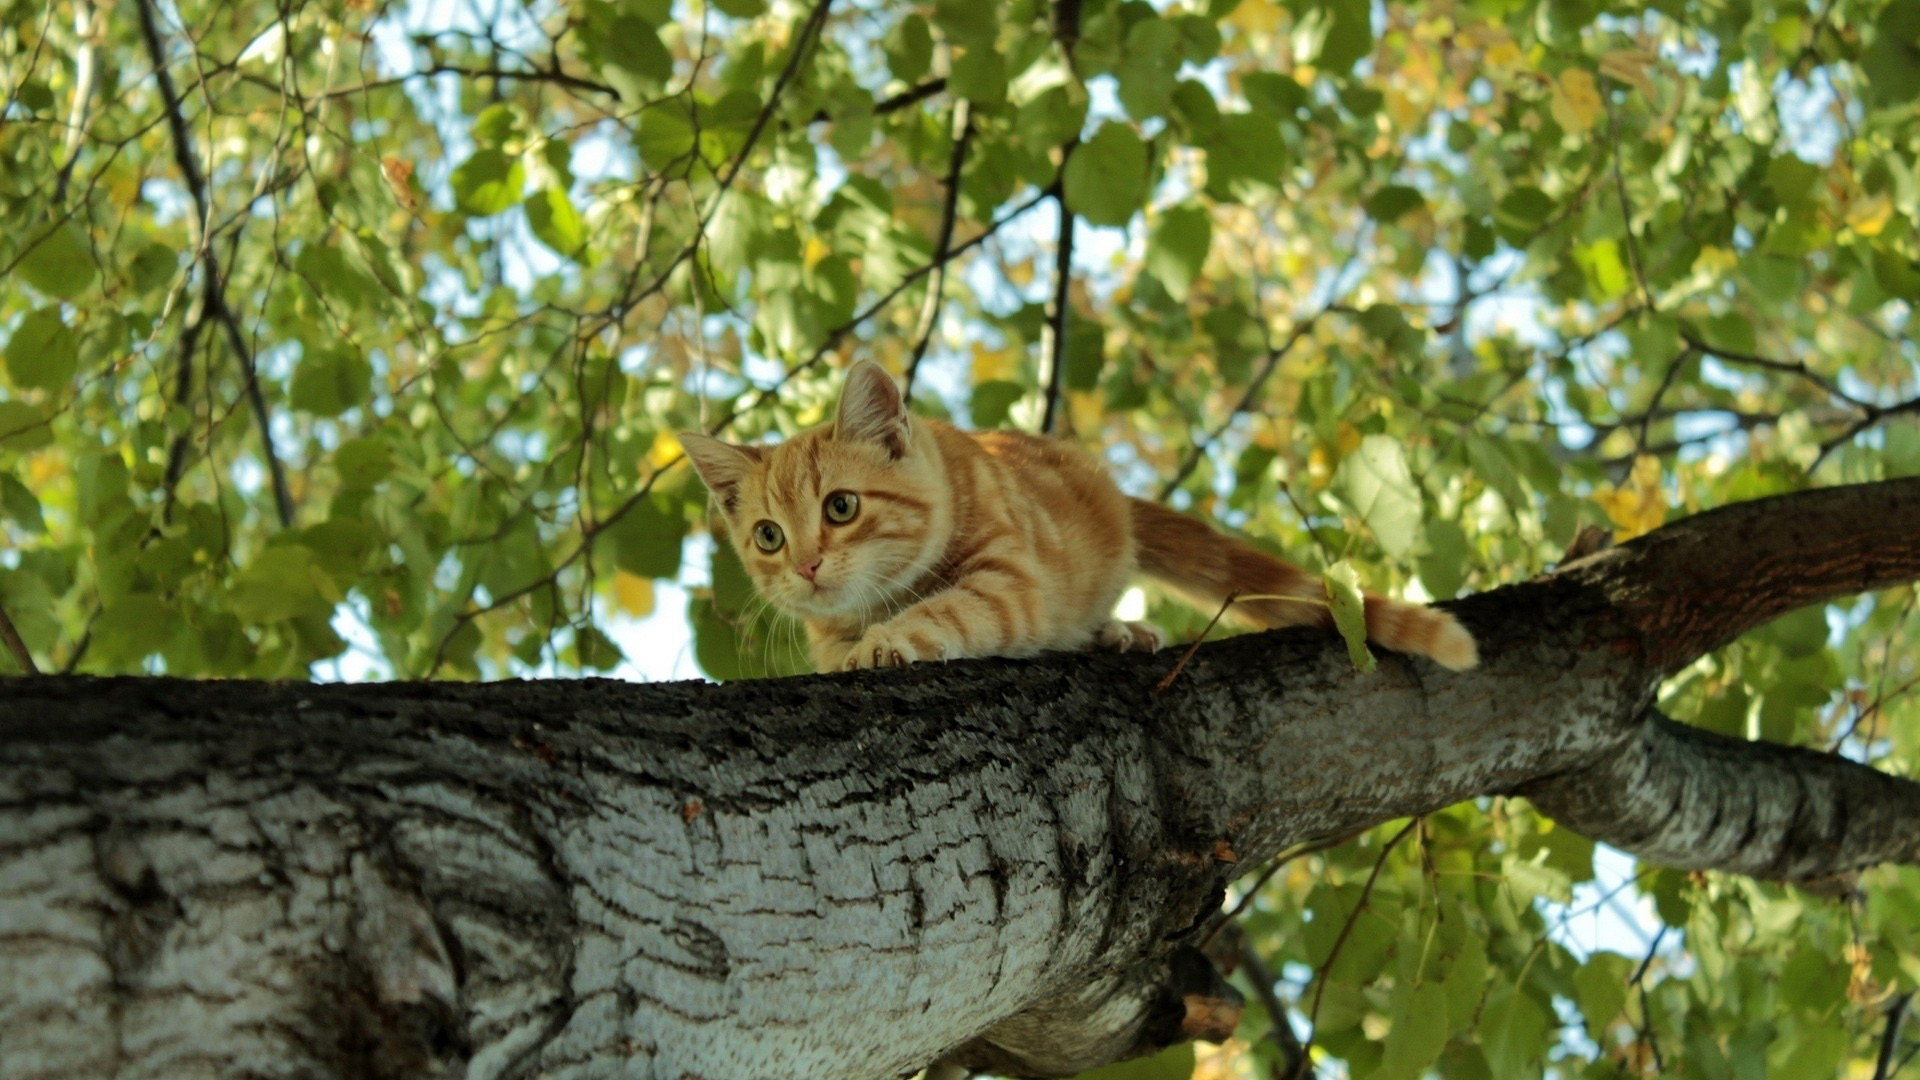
{"x": 1205, "y": 567}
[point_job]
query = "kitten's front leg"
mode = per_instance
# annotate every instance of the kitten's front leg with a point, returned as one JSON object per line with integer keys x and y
{"x": 993, "y": 610}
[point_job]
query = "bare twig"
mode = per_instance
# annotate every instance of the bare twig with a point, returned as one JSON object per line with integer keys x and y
{"x": 949, "y": 210}
{"x": 1057, "y": 319}
{"x": 1325, "y": 969}
{"x": 1295, "y": 1062}
{"x": 214, "y": 288}
{"x": 913, "y": 95}
{"x": 1890, "y": 1040}
{"x": 11, "y": 637}
{"x": 1789, "y": 367}
{"x": 1274, "y": 356}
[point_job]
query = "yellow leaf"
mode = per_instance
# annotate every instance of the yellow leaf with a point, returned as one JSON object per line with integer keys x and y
{"x": 1348, "y": 438}
{"x": 816, "y": 250}
{"x": 666, "y": 447}
{"x": 1638, "y": 507}
{"x": 991, "y": 364}
{"x": 1503, "y": 56}
{"x": 1255, "y": 16}
{"x": 633, "y": 594}
{"x": 1087, "y": 408}
{"x": 1715, "y": 260}
{"x": 1576, "y": 100}
{"x": 1868, "y": 216}
{"x": 1021, "y": 273}
{"x": 1630, "y": 66}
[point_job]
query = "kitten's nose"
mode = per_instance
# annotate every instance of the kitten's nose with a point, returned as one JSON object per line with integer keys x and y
{"x": 809, "y": 568}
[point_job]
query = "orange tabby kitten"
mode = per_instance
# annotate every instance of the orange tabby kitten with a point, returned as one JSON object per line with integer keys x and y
{"x": 896, "y": 538}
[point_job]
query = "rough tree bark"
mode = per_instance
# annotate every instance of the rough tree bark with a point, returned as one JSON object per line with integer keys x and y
{"x": 998, "y": 862}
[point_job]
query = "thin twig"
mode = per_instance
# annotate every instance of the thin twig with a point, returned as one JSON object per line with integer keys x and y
{"x": 1890, "y": 1041}
{"x": 17, "y": 647}
{"x": 1295, "y": 1063}
{"x": 1057, "y": 319}
{"x": 1790, "y": 367}
{"x": 1626, "y": 207}
{"x": 1325, "y": 969}
{"x": 949, "y": 211}
{"x": 1274, "y": 357}
{"x": 913, "y": 95}
{"x": 215, "y": 294}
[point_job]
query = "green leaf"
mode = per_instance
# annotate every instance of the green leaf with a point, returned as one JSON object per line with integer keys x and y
{"x": 20, "y": 504}
{"x": 715, "y": 648}
{"x": 1246, "y": 158}
{"x": 41, "y": 354}
{"x": 595, "y": 651}
{"x": 910, "y": 49}
{"x": 1600, "y": 989}
{"x": 1521, "y": 214}
{"x": 556, "y": 223}
{"x": 665, "y": 139}
{"x": 130, "y": 629}
{"x": 1418, "y": 1034}
{"x": 1349, "y": 33}
{"x": 23, "y": 427}
{"x": 991, "y": 400}
{"x": 979, "y": 74}
{"x": 1177, "y": 248}
{"x": 280, "y": 583}
{"x": 363, "y": 462}
{"x": 153, "y": 267}
{"x": 647, "y": 540}
{"x": 330, "y": 380}
{"x": 1374, "y": 480}
{"x": 488, "y": 183}
{"x": 1443, "y": 569}
{"x": 1513, "y": 1034}
{"x": 495, "y": 125}
{"x": 1148, "y": 66}
{"x": 59, "y": 262}
{"x": 1106, "y": 177}
{"x": 741, "y": 9}
{"x": 632, "y": 59}
{"x": 1349, "y": 612}
{"x": 1393, "y": 202}
{"x": 1892, "y": 62}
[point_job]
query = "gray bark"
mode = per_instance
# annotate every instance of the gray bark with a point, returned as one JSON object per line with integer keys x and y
{"x": 997, "y": 862}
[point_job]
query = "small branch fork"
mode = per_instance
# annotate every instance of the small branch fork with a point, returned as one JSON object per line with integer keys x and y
{"x": 214, "y": 286}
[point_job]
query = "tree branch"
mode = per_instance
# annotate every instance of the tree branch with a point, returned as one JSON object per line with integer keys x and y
{"x": 1055, "y": 359}
{"x": 675, "y": 879}
{"x": 1688, "y": 798}
{"x": 1695, "y": 585}
{"x": 949, "y": 211}
{"x": 213, "y": 285}
{"x": 10, "y": 637}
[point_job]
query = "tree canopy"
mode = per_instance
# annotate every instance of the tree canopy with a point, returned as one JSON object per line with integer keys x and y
{"x": 348, "y": 330}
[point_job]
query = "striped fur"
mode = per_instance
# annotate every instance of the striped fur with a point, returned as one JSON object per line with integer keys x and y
{"x": 987, "y": 544}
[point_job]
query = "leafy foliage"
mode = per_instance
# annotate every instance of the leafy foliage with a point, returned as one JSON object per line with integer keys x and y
{"x": 385, "y": 382}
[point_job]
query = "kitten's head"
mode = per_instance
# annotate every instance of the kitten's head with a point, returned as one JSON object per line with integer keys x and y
{"x": 838, "y": 520}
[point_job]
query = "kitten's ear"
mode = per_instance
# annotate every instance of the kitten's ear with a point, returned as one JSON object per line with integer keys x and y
{"x": 872, "y": 410}
{"x": 723, "y": 467}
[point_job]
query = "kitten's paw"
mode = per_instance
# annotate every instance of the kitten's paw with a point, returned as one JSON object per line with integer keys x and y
{"x": 889, "y": 648}
{"x": 1128, "y": 636}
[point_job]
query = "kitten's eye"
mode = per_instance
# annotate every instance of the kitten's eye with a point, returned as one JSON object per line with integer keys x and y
{"x": 768, "y": 537}
{"x": 842, "y": 507}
